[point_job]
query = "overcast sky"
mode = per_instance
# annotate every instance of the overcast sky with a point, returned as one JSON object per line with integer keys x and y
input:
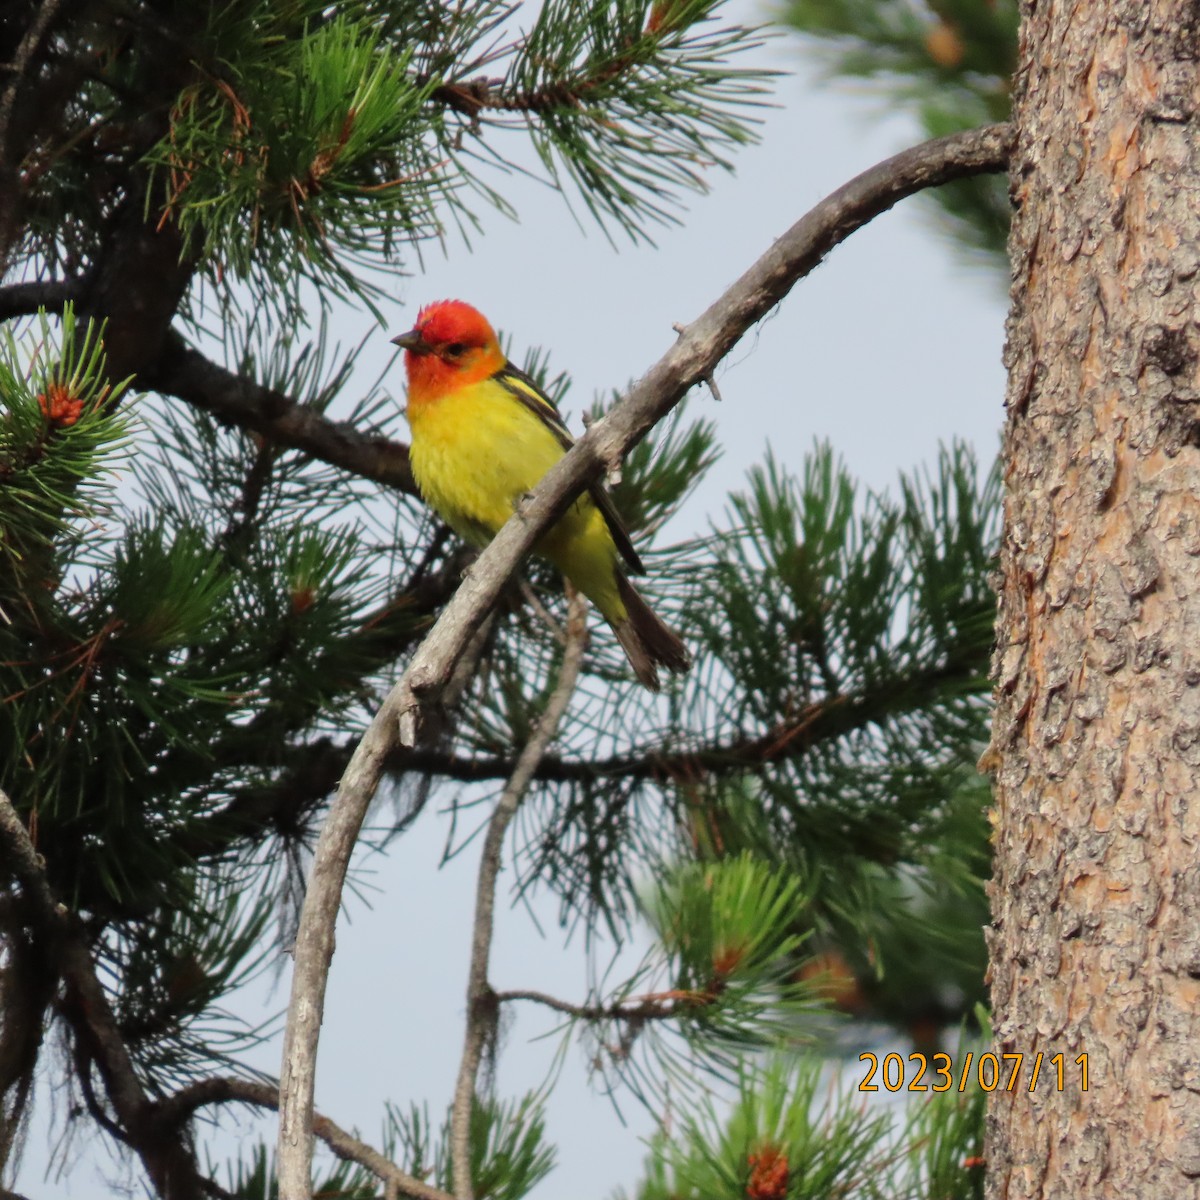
{"x": 890, "y": 348}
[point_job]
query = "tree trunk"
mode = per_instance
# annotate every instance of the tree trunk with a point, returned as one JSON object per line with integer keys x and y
{"x": 1095, "y": 944}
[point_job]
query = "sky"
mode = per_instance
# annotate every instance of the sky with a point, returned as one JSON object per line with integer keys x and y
{"x": 889, "y": 349}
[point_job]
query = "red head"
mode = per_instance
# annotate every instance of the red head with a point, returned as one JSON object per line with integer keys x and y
{"x": 451, "y": 344}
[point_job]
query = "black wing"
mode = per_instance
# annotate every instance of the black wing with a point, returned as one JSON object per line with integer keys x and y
{"x": 524, "y": 389}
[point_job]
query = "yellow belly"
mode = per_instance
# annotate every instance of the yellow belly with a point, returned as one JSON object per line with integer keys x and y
{"x": 477, "y": 452}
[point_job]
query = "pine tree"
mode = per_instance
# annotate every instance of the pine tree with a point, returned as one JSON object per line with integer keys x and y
{"x": 209, "y": 585}
{"x": 1092, "y": 748}
{"x": 950, "y": 61}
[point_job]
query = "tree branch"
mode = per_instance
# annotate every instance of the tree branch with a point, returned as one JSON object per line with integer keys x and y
{"x": 178, "y": 1108}
{"x": 823, "y": 719}
{"x": 17, "y": 69}
{"x": 24, "y": 299}
{"x": 299, "y": 1055}
{"x": 185, "y": 373}
{"x": 654, "y": 1006}
{"x": 690, "y": 359}
{"x": 167, "y": 1159}
{"x": 140, "y": 275}
{"x": 481, "y": 1000}
{"x": 313, "y": 769}
{"x": 34, "y": 34}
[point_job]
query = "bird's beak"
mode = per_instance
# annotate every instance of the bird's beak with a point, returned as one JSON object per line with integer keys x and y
{"x": 412, "y": 340}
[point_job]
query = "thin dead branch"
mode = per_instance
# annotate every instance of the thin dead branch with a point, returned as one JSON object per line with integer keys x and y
{"x": 226, "y": 1089}
{"x": 481, "y": 1000}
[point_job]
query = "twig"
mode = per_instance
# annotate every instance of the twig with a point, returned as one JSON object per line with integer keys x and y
{"x": 240, "y": 526}
{"x": 481, "y": 1000}
{"x": 226, "y": 1089}
{"x": 542, "y": 613}
{"x": 705, "y": 342}
{"x": 655, "y": 1006}
{"x": 580, "y": 1012}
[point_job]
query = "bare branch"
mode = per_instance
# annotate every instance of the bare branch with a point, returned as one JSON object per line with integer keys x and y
{"x": 654, "y": 1006}
{"x": 580, "y": 1012}
{"x": 225, "y": 1090}
{"x": 312, "y": 966}
{"x": 689, "y": 360}
{"x": 481, "y": 1000}
{"x": 185, "y": 373}
{"x": 24, "y": 299}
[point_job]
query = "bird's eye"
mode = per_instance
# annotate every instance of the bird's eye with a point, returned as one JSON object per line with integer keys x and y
{"x": 455, "y": 349}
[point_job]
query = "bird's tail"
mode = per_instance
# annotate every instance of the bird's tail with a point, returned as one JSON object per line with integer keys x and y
{"x": 647, "y": 642}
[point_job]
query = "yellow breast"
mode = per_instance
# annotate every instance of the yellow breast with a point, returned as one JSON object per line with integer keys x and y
{"x": 475, "y": 453}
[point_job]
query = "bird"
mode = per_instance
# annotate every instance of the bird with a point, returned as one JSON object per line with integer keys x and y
{"x": 483, "y": 435}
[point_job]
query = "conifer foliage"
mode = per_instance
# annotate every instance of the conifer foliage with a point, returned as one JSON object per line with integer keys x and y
{"x": 950, "y": 61}
{"x": 207, "y": 583}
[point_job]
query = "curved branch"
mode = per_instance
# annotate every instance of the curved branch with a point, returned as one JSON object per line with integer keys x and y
{"x": 18, "y": 69}
{"x": 176, "y": 1109}
{"x": 691, "y": 360}
{"x": 701, "y": 346}
{"x": 183, "y": 372}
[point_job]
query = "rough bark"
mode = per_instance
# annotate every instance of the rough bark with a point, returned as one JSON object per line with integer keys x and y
{"x": 1096, "y": 900}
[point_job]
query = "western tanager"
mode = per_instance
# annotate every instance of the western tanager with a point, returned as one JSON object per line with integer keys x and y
{"x": 483, "y": 434}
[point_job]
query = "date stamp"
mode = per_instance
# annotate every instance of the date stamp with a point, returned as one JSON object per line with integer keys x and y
{"x": 1006, "y": 1072}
